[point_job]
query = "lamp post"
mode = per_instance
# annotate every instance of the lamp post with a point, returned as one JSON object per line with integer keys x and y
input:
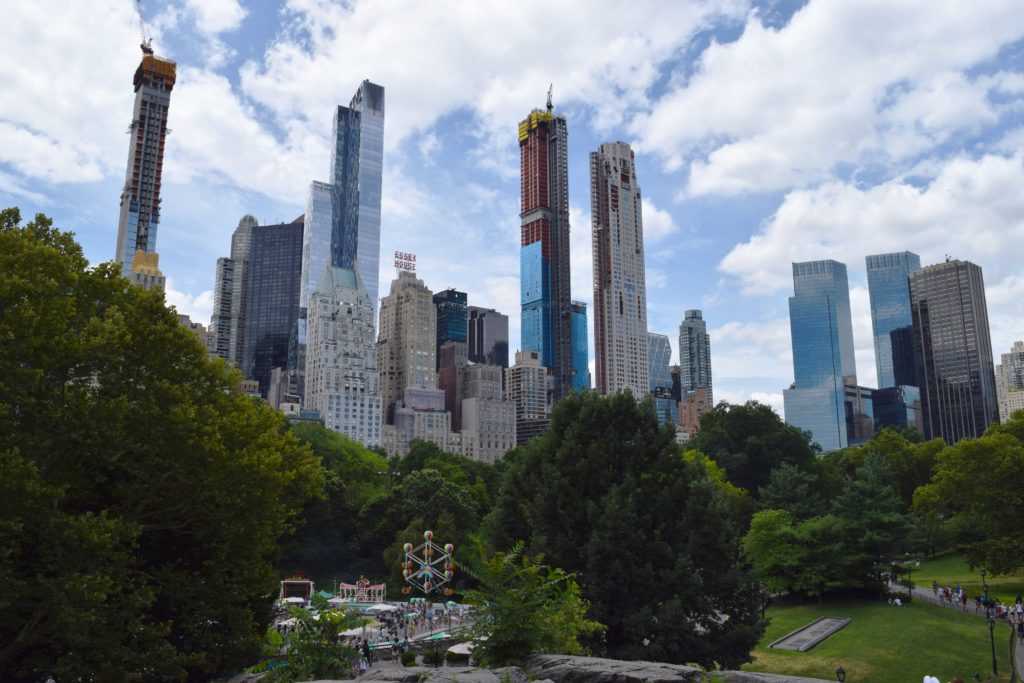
{"x": 840, "y": 674}
{"x": 990, "y": 618}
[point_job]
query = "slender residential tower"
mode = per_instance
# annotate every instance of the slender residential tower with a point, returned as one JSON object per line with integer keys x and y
{"x": 620, "y": 293}
{"x": 140, "y": 198}
{"x": 694, "y": 356}
{"x": 544, "y": 259}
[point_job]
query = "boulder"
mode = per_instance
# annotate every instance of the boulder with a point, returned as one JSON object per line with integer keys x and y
{"x": 447, "y": 674}
{"x": 567, "y": 669}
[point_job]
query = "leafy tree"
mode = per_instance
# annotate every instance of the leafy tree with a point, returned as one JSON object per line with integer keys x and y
{"x": 774, "y": 549}
{"x": 977, "y": 487}
{"x": 652, "y": 536}
{"x": 910, "y": 463}
{"x": 749, "y": 441}
{"x": 795, "y": 490}
{"x": 524, "y": 607}
{"x": 161, "y": 490}
{"x": 314, "y": 648}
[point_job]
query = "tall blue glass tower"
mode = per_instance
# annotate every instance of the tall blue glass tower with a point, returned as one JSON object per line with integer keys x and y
{"x": 580, "y": 347}
{"x": 823, "y": 362}
{"x": 891, "y": 322}
{"x": 659, "y": 355}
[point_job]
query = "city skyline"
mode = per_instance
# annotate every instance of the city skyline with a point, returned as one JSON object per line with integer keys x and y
{"x": 730, "y": 198}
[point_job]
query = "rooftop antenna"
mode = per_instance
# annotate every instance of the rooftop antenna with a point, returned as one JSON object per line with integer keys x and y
{"x": 550, "y": 106}
{"x": 147, "y": 40}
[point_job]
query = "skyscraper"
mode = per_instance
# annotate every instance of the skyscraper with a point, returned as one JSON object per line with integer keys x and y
{"x": 341, "y": 378}
{"x": 488, "y": 336}
{"x": 659, "y": 354}
{"x": 954, "y": 351}
{"x": 140, "y": 198}
{"x": 406, "y": 343}
{"x": 451, "y": 318}
{"x": 271, "y": 298}
{"x": 889, "y": 289}
{"x": 229, "y": 294}
{"x": 580, "y": 347}
{"x": 823, "y": 363}
{"x": 1010, "y": 382}
{"x": 486, "y": 415}
{"x": 526, "y": 387}
{"x": 620, "y": 293}
{"x": 694, "y": 356}
{"x": 544, "y": 260}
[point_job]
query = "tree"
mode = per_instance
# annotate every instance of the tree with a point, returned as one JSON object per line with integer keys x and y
{"x": 314, "y": 648}
{"x": 162, "y": 491}
{"x": 795, "y": 490}
{"x": 910, "y": 463}
{"x": 652, "y": 536}
{"x": 774, "y": 549}
{"x": 524, "y": 607}
{"x": 749, "y": 441}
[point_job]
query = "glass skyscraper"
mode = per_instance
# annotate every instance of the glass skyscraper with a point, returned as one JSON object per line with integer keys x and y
{"x": 659, "y": 355}
{"x": 954, "y": 351}
{"x": 823, "y": 362}
{"x": 889, "y": 289}
{"x": 580, "y": 347}
{"x": 488, "y": 336}
{"x": 694, "y": 356}
{"x": 452, "y": 319}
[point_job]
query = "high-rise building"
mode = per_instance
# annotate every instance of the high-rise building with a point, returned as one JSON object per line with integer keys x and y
{"x": 889, "y": 289}
{"x": 691, "y": 408}
{"x": 823, "y": 363}
{"x": 228, "y": 320}
{"x": 341, "y": 378}
{"x": 526, "y": 386}
{"x": 620, "y": 294}
{"x": 451, "y": 318}
{"x": 580, "y": 347}
{"x": 546, "y": 324}
{"x": 406, "y": 341}
{"x": 420, "y": 414}
{"x": 271, "y": 298}
{"x": 694, "y": 356}
{"x": 954, "y": 351}
{"x": 486, "y": 415}
{"x": 1010, "y": 382}
{"x": 659, "y": 355}
{"x": 140, "y": 198}
{"x": 488, "y": 336}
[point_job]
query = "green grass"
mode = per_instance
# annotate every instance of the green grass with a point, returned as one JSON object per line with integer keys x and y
{"x": 884, "y": 644}
{"x": 949, "y": 569}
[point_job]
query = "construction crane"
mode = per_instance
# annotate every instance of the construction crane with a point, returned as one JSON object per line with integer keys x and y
{"x": 147, "y": 40}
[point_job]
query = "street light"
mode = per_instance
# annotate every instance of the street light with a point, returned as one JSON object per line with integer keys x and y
{"x": 840, "y": 674}
{"x": 990, "y": 618}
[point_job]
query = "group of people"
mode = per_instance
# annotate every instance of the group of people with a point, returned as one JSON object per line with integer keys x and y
{"x": 1012, "y": 613}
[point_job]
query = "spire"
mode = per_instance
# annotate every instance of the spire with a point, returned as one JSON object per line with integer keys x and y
{"x": 550, "y": 106}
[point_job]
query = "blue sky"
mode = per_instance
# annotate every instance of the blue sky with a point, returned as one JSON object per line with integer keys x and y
{"x": 764, "y": 132}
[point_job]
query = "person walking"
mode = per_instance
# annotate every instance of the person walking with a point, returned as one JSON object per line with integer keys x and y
{"x": 366, "y": 652}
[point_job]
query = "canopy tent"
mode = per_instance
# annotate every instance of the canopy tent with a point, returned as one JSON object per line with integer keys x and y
{"x": 324, "y": 594}
{"x": 294, "y": 601}
{"x": 337, "y": 601}
{"x": 361, "y": 630}
{"x": 382, "y": 607}
{"x": 461, "y": 649}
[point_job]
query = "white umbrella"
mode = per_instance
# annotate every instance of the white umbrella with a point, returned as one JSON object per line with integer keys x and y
{"x": 337, "y": 601}
{"x": 461, "y": 649}
{"x": 295, "y": 601}
{"x": 382, "y": 607}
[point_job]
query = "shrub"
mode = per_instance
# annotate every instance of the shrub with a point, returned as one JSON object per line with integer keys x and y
{"x": 456, "y": 658}
{"x": 408, "y": 659}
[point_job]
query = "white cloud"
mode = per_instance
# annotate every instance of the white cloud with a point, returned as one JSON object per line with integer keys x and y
{"x": 216, "y": 16}
{"x": 199, "y": 307}
{"x": 854, "y": 82}
{"x": 739, "y": 397}
{"x": 863, "y": 340}
{"x": 757, "y": 349}
{"x": 658, "y": 223}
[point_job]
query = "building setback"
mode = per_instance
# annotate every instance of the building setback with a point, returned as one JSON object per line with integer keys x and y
{"x": 694, "y": 357}
{"x": 488, "y": 336}
{"x": 406, "y": 342}
{"x": 954, "y": 351}
{"x": 546, "y": 325}
{"x": 341, "y": 379}
{"x": 1010, "y": 382}
{"x": 271, "y": 298}
{"x": 620, "y": 294}
{"x": 140, "y": 198}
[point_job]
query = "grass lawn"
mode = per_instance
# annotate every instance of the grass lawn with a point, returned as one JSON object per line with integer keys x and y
{"x": 884, "y": 644}
{"x": 950, "y": 569}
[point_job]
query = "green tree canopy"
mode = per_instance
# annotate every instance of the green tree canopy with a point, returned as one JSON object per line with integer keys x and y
{"x": 144, "y": 495}
{"x": 652, "y": 537}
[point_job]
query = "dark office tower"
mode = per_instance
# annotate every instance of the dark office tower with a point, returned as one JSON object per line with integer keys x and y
{"x": 888, "y": 277}
{"x": 140, "y": 198}
{"x": 228, "y": 321}
{"x": 620, "y": 291}
{"x": 694, "y": 356}
{"x": 451, "y": 319}
{"x": 272, "y": 297}
{"x": 658, "y": 355}
{"x": 488, "y": 336}
{"x": 580, "y": 347}
{"x": 954, "y": 351}
{"x": 904, "y": 359}
{"x": 544, "y": 259}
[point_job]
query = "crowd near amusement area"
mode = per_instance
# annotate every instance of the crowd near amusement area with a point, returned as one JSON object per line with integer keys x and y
{"x": 486, "y": 401}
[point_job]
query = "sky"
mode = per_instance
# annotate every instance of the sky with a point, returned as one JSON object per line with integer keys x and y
{"x": 764, "y": 132}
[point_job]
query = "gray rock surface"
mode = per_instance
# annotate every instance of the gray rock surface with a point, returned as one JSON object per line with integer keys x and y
{"x": 447, "y": 674}
{"x": 567, "y": 669}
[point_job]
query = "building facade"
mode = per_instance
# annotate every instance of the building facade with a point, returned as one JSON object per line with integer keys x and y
{"x": 140, "y": 198}
{"x": 620, "y": 294}
{"x": 271, "y": 299}
{"x": 659, "y": 355}
{"x": 821, "y": 329}
{"x": 1010, "y": 382}
{"x": 545, "y": 293}
{"x": 406, "y": 341}
{"x": 341, "y": 378}
{"x": 694, "y": 356}
{"x": 487, "y": 336}
{"x": 452, "y": 319}
{"x": 954, "y": 351}
{"x": 580, "y": 347}
{"x": 889, "y": 290}
{"x": 486, "y": 415}
{"x": 229, "y": 293}
{"x": 526, "y": 387}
